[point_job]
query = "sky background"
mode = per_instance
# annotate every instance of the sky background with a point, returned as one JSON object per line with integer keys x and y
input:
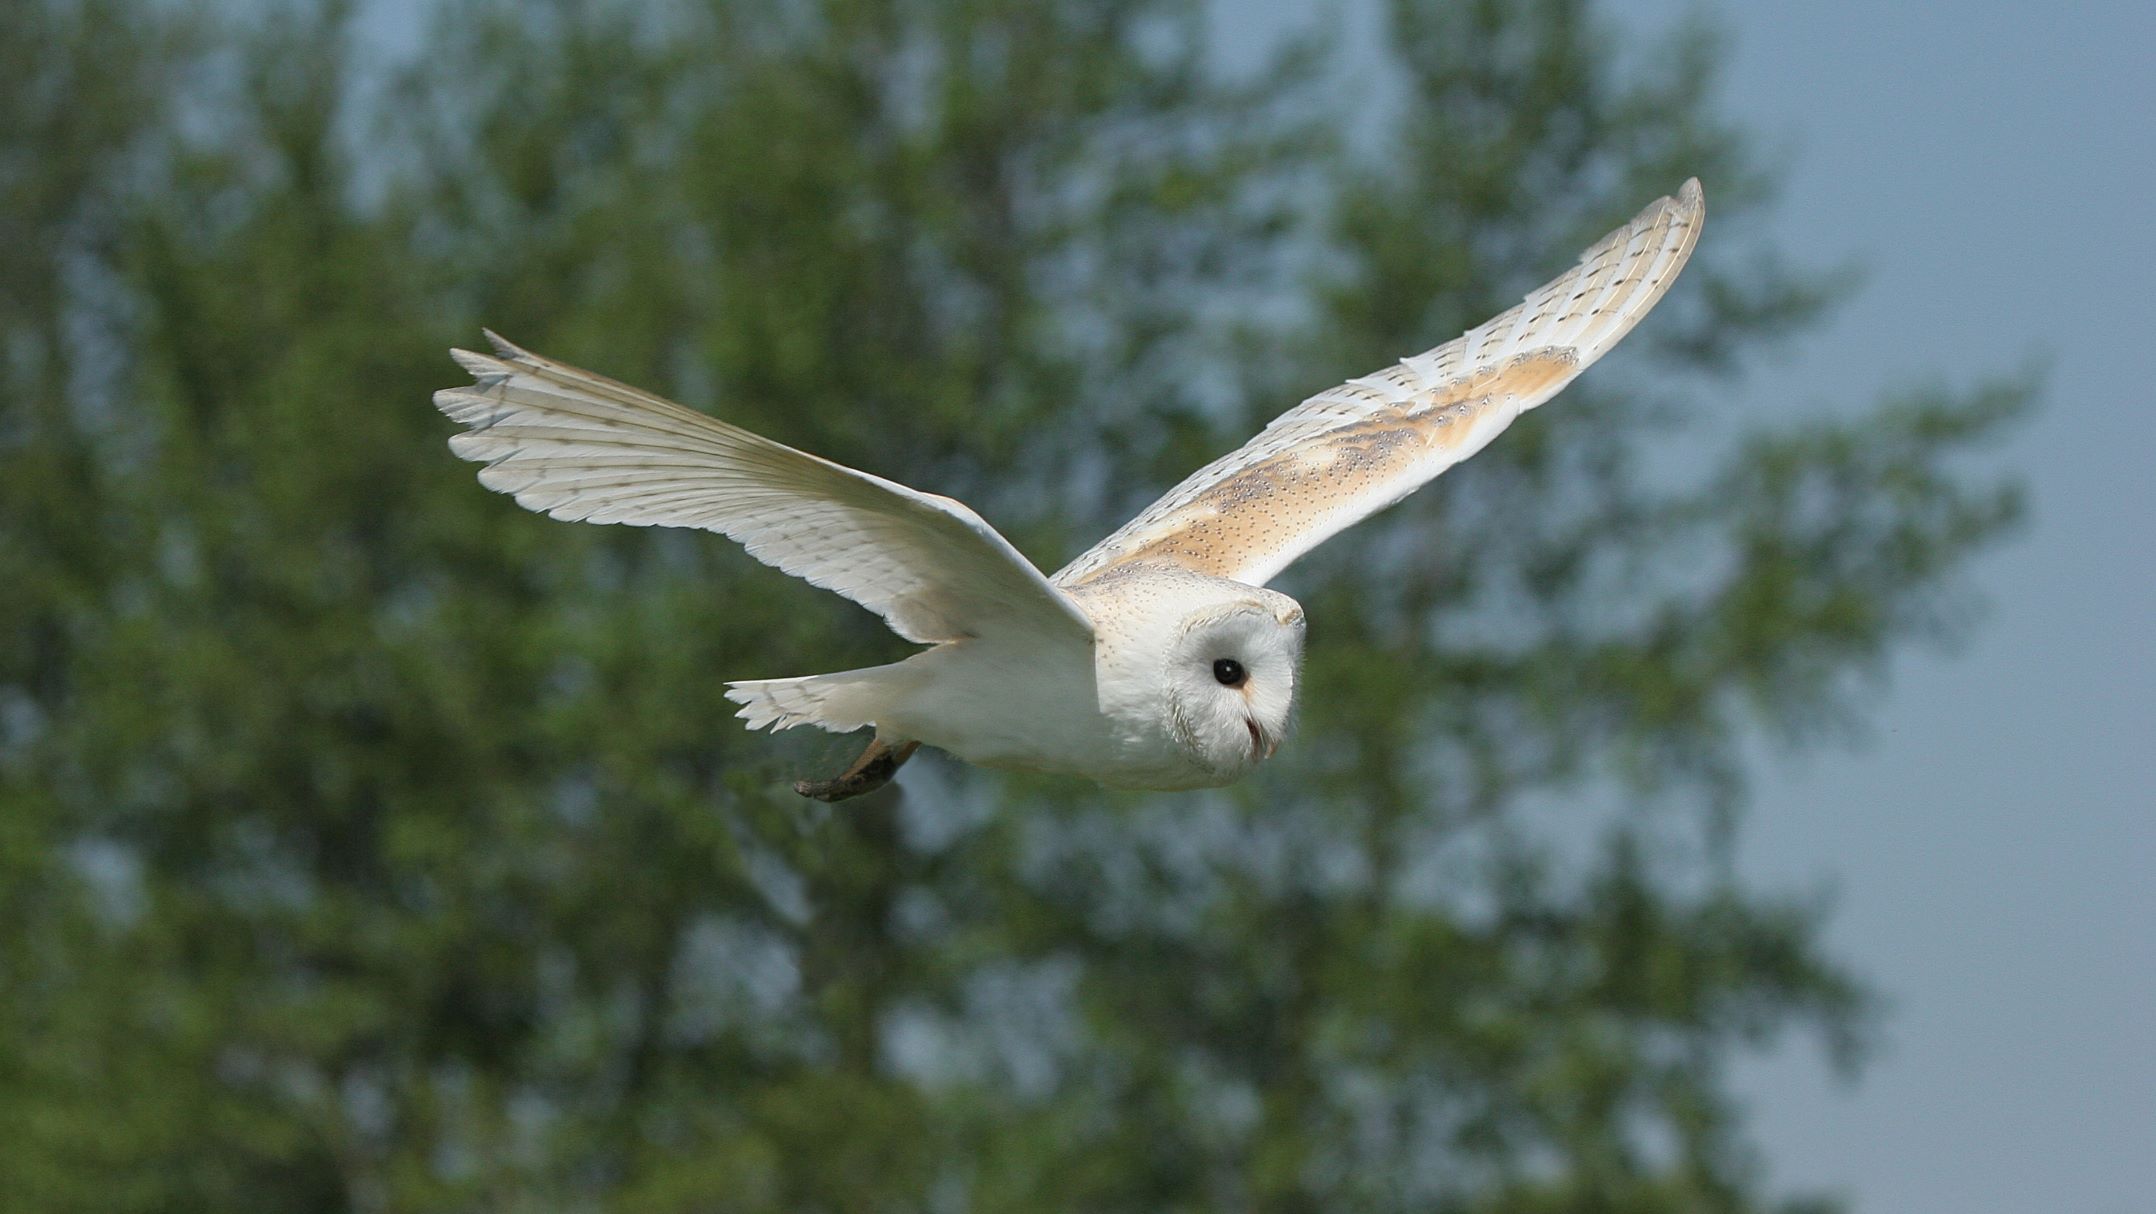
{"x": 1990, "y": 165}
{"x": 1991, "y": 843}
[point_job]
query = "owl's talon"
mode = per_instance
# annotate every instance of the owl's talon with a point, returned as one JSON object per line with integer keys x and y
{"x": 870, "y": 772}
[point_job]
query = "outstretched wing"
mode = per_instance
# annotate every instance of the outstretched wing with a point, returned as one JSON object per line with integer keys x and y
{"x": 579, "y": 446}
{"x": 1349, "y": 452}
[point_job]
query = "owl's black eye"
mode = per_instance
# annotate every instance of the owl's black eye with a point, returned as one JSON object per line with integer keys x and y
{"x": 1229, "y": 672}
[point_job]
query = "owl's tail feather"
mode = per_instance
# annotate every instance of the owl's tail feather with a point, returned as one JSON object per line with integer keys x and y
{"x": 841, "y": 702}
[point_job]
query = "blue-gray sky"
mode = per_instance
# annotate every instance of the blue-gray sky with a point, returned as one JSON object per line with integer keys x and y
{"x": 1992, "y": 844}
{"x": 1990, "y": 164}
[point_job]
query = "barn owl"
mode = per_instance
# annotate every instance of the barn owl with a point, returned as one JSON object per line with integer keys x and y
{"x": 1155, "y": 660}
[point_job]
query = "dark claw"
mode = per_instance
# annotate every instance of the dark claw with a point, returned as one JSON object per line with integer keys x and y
{"x": 870, "y": 772}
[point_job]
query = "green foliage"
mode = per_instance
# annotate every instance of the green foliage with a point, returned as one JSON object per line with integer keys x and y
{"x": 368, "y": 843}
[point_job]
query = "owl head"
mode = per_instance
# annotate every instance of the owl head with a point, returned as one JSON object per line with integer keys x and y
{"x": 1231, "y": 671}
{"x": 1196, "y": 673}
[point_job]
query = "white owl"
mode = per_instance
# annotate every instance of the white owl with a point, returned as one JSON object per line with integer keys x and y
{"x": 1155, "y": 660}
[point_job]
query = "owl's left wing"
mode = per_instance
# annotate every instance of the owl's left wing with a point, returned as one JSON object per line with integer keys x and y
{"x": 579, "y": 446}
{"x": 1351, "y": 451}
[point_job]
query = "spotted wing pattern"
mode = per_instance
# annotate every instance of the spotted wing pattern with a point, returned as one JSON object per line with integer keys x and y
{"x": 1351, "y": 451}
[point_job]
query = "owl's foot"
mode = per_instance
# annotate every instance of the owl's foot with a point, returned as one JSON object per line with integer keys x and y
{"x": 870, "y": 772}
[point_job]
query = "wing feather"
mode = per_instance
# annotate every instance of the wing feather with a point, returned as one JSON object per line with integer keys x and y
{"x": 1351, "y": 451}
{"x": 574, "y": 445}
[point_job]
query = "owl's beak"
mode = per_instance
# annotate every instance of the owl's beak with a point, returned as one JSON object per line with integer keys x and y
{"x": 1261, "y": 746}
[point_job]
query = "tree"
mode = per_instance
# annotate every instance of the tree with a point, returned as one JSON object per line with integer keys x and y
{"x": 373, "y": 845}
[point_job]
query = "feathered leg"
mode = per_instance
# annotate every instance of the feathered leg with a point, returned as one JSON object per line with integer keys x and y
{"x": 870, "y": 772}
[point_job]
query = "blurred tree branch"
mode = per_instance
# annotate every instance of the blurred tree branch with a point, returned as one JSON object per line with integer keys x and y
{"x": 365, "y": 843}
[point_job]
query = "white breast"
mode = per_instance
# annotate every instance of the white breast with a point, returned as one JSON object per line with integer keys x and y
{"x": 1094, "y": 711}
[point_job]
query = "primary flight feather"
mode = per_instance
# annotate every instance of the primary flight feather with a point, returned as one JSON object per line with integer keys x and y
{"x": 1154, "y": 660}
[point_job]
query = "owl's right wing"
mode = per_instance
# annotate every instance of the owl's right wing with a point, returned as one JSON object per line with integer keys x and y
{"x": 1351, "y": 451}
{"x": 574, "y": 445}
